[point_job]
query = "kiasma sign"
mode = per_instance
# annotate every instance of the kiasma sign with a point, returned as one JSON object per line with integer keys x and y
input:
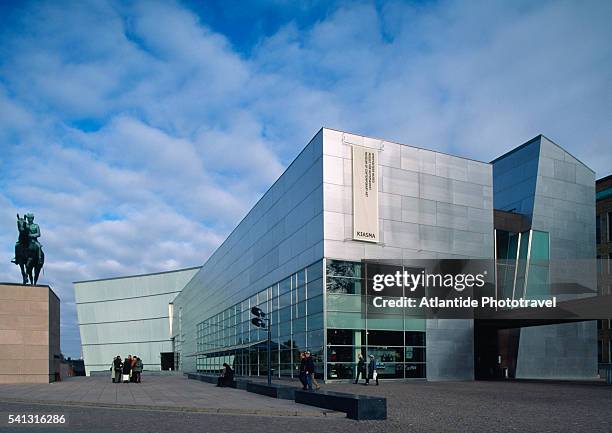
{"x": 365, "y": 194}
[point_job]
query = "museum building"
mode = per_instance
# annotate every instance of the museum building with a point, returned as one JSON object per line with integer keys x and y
{"x": 301, "y": 255}
{"x": 128, "y": 316}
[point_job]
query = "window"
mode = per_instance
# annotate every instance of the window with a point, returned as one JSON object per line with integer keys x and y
{"x": 539, "y": 246}
{"x": 600, "y": 267}
{"x": 507, "y": 247}
{"x": 314, "y": 271}
{"x": 315, "y": 305}
{"x": 314, "y": 338}
{"x": 414, "y": 338}
{"x": 521, "y": 271}
{"x": 385, "y": 338}
{"x": 340, "y": 337}
{"x": 337, "y": 268}
{"x": 609, "y": 226}
{"x": 285, "y": 286}
{"x": 349, "y": 286}
{"x": 598, "y": 229}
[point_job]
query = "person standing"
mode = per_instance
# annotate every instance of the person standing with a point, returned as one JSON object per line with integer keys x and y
{"x": 127, "y": 369}
{"x": 309, "y": 369}
{"x": 372, "y": 373}
{"x": 117, "y": 365}
{"x": 133, "y": 376}
{"x": 360, "y": 368}
{"x": 137, "y": 369}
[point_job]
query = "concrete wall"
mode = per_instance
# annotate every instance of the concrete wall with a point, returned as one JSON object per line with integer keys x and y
{"x": 54, "y": 336}
{"x": 127, "y": 316}
{"x": 431, "y": 205}
{"x": 450, "y": 349}
{"x": 29, "y": 334}
{"x": 566, "y": 351}
{"x": 564, "y": 204}
{"x": 280, "y": 235}
{"x": 557, "y": 193}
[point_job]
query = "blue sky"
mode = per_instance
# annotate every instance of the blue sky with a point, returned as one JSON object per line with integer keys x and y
{"x": 140, "y": 133}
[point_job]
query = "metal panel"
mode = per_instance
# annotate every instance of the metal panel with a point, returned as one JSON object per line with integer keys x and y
{"x": 258, "y": 253}
{"x": 128, "y": 315}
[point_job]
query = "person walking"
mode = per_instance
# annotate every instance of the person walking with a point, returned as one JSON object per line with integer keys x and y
{"x": 314, "y": 374}
{"x": 372, "y": 373}
{"x": 127, "y": 369}
{"x": 309, "y": 369}
{"x": 137, "y": 369}
{"x": 302, "y": 370}
{"x": 360, "y": 368}
{"x": 117, "y": 365}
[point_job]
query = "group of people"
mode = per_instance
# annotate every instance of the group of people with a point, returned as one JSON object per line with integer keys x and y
{"x": 307, "y": 372}
{"x": 368, "y": 371}
{"x": 128, "y": 370}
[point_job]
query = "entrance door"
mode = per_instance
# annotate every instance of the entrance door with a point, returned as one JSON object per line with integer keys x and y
{"x": 495, "y": 351}
{"x": 167, "y": 360}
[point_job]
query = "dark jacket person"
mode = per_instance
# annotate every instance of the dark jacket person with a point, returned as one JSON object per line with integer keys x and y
{"x": 302, "y": 370}
{"x": 360, "y": 369}
{"x": 117, "y": 366}
{"x": 127, "y": 367}
{"x": 309, "y": 369}
{"x": 227, "y": 376}
{"x": 372, "y": 370}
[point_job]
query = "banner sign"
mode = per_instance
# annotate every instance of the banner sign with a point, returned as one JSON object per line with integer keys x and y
{"x": 365, "y": 194}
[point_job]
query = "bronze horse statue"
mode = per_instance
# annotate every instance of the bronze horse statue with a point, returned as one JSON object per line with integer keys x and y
{"x": 29, "y": 255}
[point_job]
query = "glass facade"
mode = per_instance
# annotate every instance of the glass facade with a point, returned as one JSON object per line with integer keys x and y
{"x": 295, "y": 309}
{"x": 522, "y": 261}
{"x": 396, "y": 340}
{"x": 295, "y": 306}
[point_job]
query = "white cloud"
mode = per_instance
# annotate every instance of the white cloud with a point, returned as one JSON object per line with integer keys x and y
{"x": 139, "y": 137}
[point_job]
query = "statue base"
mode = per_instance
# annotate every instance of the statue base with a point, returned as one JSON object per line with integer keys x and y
{"x": 29, "y": 334}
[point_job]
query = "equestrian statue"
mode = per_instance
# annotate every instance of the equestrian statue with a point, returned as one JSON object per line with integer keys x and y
{"x": 28, "y": 252}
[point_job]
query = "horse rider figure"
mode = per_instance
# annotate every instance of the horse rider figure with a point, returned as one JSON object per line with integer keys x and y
{"x": 29, "y": 232}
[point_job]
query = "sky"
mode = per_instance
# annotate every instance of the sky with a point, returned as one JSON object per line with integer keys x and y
{"x": 140, "y": 132}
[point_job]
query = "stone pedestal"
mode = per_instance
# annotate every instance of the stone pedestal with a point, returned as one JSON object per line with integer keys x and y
{"x": 29, "y": 334}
